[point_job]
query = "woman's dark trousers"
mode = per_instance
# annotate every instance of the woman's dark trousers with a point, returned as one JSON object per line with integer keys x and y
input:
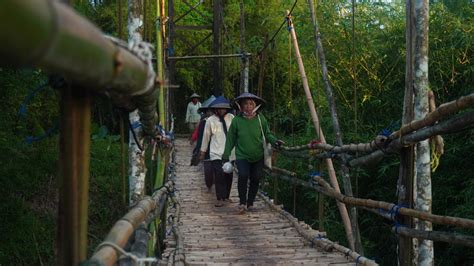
{"x": 223, "y": 181}
{"x": 208, "y": 174}
{"x": 248, "y": 171}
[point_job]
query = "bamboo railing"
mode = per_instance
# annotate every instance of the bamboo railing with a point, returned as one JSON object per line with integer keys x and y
{"x": 50, "y": 35}
{"x": 384, "y": 209}
{"x": 108, "y": 252}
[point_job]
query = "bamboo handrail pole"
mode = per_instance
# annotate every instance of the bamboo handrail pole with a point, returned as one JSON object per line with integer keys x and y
{"x": 207, "y": 56}
{"x": 448, "y": 126}
{"x": 61, "y": 41}
{"x": 50, "y": 35}
{"x": 123, "y": 229}
{"x": 315, "y": 120}
{"x": 438, "y": 219}
{"x": 431, "y": 235}
{"x": 442, "y": 111}
{"x": 326, "y": 189}
{"x": 353, "y": 147}
{"x": 451, "y": 238}
{"x": 121, "y": 232}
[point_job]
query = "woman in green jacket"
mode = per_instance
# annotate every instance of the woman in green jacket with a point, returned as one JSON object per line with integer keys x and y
{"x": 245, "y": 134}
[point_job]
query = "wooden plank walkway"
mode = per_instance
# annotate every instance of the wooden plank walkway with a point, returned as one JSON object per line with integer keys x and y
{"x": 221, "y": 236}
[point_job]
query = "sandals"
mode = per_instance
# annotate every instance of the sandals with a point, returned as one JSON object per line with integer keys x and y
{"x": 242, "y": 208}
{"x": 219, "y": 203}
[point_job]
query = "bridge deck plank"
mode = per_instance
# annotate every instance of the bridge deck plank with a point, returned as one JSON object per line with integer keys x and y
{"x": 222, "y": 236}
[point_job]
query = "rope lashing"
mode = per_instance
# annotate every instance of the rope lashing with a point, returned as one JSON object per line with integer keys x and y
{"x": 46, "y": 134}
{"x": 119, "y": 250}
{"x": 357, "y": 260}
{"x": 134, "y": 134}
{"x": 435, "y": 156}
{"x": 312, "y": 175}
{"x": 316, "y": 238}
{"x": 396, "y": 226}
{"x": 23, "y": 106}
{"x": 144, "y": 51}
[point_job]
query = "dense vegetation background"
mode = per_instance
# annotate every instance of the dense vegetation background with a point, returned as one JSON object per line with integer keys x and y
{"x": 367, "y": 73}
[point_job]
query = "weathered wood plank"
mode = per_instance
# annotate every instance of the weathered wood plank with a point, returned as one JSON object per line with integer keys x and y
{"x": 220, "y": 236}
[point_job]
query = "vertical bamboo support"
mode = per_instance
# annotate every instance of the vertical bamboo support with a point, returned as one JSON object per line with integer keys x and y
{"x": 321, "y": 212}
{"x": 406, "y": 170}
{"x": 160, "y": 33}
{"x": 315, "y": 120}
{"x": 74, "y": 159}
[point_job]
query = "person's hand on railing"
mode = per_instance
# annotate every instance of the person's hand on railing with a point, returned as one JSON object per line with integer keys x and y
{"x": 279, "y": 143}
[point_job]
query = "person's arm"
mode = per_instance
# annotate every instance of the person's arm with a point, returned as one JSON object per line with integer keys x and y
{"x": 206, "y": 138}
{"x": 230, "y": 140}
{"x": 200, "y": 134}
{"x": 188, "y": 113}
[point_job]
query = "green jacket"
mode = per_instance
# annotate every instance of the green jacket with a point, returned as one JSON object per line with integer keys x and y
{"x": 245, "y": 135}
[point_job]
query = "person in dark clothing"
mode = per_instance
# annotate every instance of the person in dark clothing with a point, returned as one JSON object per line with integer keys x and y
{"x": 208, "y": 172}
{"x": 245, "y": 135}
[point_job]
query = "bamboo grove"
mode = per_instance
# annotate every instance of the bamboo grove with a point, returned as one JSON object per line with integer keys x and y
{"x": 345, "y": 84}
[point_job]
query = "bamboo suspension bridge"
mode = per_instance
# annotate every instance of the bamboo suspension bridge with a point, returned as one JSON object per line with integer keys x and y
{"x": 177, "y": 224}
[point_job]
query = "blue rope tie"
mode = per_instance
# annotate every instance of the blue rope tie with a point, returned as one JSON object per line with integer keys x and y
{"x": 136, "y": 124}
{"x": 397, "y": 225}
{"x": 317, "y": 237}
{"x": 31, "y": 95}
{"x": 357, "y": 260}
{"x": 290, "y": 28}
{"x": 385, "y": 132}
{"x": 47, "y": 133}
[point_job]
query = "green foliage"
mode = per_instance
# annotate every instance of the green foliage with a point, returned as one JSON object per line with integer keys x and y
{"x": 367, "y": 75}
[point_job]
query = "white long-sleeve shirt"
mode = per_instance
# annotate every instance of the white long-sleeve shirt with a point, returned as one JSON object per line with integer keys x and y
{"x": 214, "y": 133}
{"x": 192, "y": 114}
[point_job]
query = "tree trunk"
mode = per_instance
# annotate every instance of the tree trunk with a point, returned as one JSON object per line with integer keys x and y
{"x": 337, "y": 129}
{"x": 422, "y": 177}
{"x": 136, "y": 156}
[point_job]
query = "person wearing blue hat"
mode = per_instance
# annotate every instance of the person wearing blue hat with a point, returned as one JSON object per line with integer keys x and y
{"x": 213, "y": 141}
{"x": 246, "y": 135}
{"x": 208, "y": 172}
{"x": 192, "y": 115}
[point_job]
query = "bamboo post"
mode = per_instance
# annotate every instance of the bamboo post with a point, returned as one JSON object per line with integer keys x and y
{"x": 346, "y": 180}
{"x": 315, "y": 120}
{"x": 160, "y": 33}
{"x": 74, "y": 159}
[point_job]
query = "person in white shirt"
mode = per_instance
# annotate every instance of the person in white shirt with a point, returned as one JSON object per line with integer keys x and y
{"x": 214, "y": 138}
{"x": 192, "y": 114}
